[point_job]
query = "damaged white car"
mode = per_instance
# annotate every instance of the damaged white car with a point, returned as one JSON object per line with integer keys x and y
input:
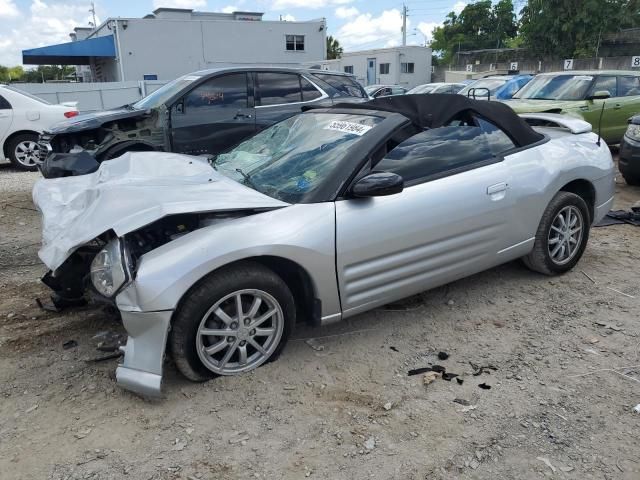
{"x": 325, "y": 215}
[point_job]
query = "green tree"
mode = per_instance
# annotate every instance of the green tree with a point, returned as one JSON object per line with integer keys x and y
{"x": 48, "y": 72}
{"x": 480, "y": 25}
{"x": 334, "y": 50}
{"x": 11, "y": 74}
{"x": 574, "y": 28}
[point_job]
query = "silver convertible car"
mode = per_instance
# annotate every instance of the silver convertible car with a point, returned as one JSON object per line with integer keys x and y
{"x": 320, "y": 217}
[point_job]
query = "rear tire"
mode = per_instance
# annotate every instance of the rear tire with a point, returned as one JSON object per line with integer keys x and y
{"x": 631, "y": 180}
{"x": 562, "y": 235}
{"x": 23, "y": 151}
{"x": 208, "y": 338}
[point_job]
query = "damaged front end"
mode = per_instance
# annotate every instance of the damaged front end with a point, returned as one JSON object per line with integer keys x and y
{"x": 97, "y": 229}
{"x": 77, "y": 147}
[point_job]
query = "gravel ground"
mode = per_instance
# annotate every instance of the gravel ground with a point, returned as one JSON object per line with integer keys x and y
{"x": 564, "y": 378}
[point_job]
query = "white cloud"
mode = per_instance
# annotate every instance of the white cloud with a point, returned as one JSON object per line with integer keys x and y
{"x": 8, "y": 9}
{"x": 179, "y": 3}
{"x": 458, "y": 7}
{"x": 426, "y": 29}
{"x": 346, "y": 12}
{"x": 366, "y": 29}
{"x": 313, "y": 4}
{"x": 288, "y": 18}
{"x": 44, "y": 24}
{"x": 229, "y": 9}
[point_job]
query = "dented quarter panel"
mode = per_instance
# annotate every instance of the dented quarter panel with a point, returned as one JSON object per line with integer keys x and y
{"x": 303, "y": 233}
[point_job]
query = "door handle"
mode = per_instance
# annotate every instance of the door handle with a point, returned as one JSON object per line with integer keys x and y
{"x": 497, "y": 188}
{"x": 4, "y": 115}
{"x": 242, "y": 115}
{"x": 617, "y": 106}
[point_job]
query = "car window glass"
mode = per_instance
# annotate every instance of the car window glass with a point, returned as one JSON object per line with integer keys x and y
{"x": 278, "y": 88}
{"x": 4, "y": 104}
{"x": 343, "y": 84}
{"x": 607, "y": 84}
{"x": 293, "y": 158}
{"x": 397, "y": 90}
{"x": 309, "y": 92}
{"x": 628, "y": 86}
{"x": 499, "y": 142}
{"x": 436, "y": 151}
{"x": 221, "y": 92}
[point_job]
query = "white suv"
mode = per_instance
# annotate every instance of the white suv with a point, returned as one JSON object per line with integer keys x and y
{"x": 22, "y": 118}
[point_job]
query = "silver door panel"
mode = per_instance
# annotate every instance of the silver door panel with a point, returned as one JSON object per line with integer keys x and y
{"x": 430, "y": 234}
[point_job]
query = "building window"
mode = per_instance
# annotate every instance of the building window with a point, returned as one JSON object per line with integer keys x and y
{"x": 384, "y": 69}
{"x": 295, "y": 43}
{"x": 406, "y": 67}
{"x": 348, "y": 69}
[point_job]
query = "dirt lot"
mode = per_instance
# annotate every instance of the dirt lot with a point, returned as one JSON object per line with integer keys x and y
{"x": 345, "y": 409}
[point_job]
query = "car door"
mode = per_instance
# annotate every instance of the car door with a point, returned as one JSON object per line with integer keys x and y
{"x": 6, "y": 117}
{"x": 450, "y": 221}
{"x": 628, "y": 100}
{"x": 213, "y": 116}
{"x": 611, "y": 126}
{"x": 280, "y": 95}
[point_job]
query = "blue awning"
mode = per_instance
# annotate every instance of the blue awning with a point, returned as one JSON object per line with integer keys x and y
{"x": 71, "y": 53}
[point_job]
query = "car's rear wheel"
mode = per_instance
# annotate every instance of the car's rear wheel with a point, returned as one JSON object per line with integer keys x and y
{"x": 24, "y": 152}
{"x": 631, "y": 180}
{"x": 562, "y": 235}
{"x": 232, "y": 322}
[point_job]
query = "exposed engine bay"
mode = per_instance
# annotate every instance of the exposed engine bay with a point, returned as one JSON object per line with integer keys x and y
{"x": 72, "y": 282}
{"x": 104, "y": 137}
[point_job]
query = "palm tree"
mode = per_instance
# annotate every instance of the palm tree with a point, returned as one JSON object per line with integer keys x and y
{"x": 334, "y": 50}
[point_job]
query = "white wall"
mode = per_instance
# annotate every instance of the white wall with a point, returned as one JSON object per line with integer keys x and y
{"x": 91, "y": 96}
{"x": 169, "y": 48}
{"x": 419, "y": 56}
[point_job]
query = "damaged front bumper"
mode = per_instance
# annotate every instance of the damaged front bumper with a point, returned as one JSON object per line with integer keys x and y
{"x": 141, "y": 370}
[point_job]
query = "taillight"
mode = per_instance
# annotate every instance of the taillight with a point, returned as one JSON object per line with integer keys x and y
{"x": 70, "y": 114}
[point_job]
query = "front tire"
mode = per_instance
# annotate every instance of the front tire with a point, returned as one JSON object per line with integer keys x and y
{"x": 562, "y": 235}
{"x": 235, "y": 320}
{"x": 24, "y": 152}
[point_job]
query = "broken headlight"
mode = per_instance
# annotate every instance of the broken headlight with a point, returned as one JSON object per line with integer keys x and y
{"x": 108, "y": 269}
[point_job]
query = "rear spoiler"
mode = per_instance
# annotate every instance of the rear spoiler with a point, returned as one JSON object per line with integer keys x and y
{"x": 573, "y": 124}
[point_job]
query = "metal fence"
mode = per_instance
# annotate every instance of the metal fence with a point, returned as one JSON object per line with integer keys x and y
{"x": 92, "y": 97}
{"x": 477, "y": 70}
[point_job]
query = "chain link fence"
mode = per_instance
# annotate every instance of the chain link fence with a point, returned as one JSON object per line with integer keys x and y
{"x": 479, "y": 70}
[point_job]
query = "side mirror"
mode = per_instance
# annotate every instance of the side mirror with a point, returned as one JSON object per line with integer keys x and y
{"x": 378, "y": 184}
{"x": 179, "y": 107}
{"x": 599, "y": 95}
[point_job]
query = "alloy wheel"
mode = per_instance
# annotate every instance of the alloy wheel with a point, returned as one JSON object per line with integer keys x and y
{"x": 27, "y": 153}
{"x": 239, "y": 332}
{"x": 565, "y": 235}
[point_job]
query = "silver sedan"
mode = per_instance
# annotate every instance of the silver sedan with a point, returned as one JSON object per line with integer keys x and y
{"x": 325, "y": 215}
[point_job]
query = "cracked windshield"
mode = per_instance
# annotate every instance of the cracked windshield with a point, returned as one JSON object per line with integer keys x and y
{"x": 290, "y": 160}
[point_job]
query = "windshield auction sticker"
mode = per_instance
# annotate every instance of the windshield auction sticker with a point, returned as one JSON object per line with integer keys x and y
{"x": 348, "y": 127}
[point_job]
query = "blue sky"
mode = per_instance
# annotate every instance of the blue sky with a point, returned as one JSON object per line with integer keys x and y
{"x": 358, "y": 24}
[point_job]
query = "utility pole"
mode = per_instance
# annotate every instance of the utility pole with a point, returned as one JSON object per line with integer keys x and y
{"x": 404, "y": 25}
{"x": 92, "y": 11}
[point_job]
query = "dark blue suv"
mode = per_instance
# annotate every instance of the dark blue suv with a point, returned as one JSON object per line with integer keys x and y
{"x": 204, "y": 112}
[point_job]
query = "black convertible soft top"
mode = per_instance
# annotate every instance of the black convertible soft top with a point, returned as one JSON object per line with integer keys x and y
{"x": 438, "y": 109}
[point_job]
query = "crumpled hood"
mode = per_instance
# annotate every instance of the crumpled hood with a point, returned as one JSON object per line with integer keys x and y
{"x": 89, "y": 121}
{"x": 531, "y": 106}
{"x": 129, "y": 192}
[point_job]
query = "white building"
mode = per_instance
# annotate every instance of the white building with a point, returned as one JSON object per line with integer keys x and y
{"x": 407, "y": 66}
{"x": 171, "y": 42}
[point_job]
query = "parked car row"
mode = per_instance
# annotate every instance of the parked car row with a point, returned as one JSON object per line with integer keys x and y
{"x": 207, "y": 112}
